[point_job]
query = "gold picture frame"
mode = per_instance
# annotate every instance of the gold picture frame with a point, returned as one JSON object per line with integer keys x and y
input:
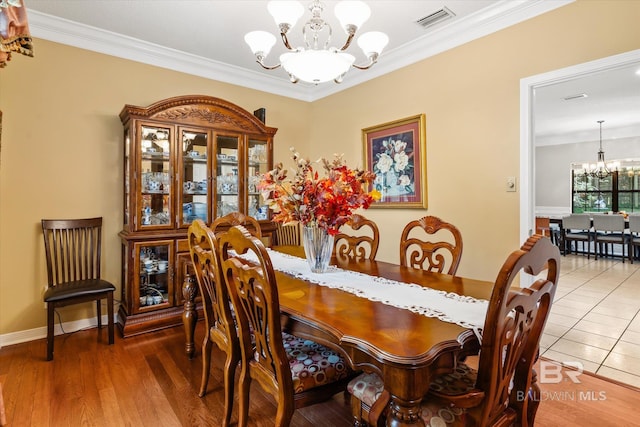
{"x": 397, "y": 153}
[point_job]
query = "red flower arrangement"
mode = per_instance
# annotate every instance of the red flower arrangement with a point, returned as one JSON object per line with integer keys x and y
{"x": 327, "y": 202}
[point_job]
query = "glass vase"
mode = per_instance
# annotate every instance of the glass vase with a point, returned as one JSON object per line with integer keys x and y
{"x": 318, "y": 247}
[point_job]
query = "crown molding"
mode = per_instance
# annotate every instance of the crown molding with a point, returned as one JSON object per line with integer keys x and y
{"x": 486, "y": 21}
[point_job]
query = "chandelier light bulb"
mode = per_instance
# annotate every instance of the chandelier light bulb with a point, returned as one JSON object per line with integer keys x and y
{"x": 373, "y": 42}
{"x": 285, "y": 12}
{"x": 352, "y": 13}
{"x": 260, "y": 42}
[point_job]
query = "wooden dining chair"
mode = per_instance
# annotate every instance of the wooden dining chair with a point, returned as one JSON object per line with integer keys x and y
{"x": 223, "y": 223}
{"x": 503, "y": 390}
{"x": 430, "y": 253}
{"x": 73, "y": 250}
{"x": 297, "y": 372}
{"x": 357, "y": 246}
{"x": 219, "y": 320}
{"x": 287, "y": 234}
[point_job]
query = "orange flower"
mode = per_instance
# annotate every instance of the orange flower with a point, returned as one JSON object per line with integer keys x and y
{"x": 307, "y": 198}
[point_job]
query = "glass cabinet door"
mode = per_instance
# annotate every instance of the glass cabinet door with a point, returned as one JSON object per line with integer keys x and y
{"x": 155, "y": 177}
{"x": 127, "y": 174}
{"x": 227, "y": 165}
{"x": 258, "y": 164}
{"x": 154, "y": 268}
{"x": 194, "y": 191}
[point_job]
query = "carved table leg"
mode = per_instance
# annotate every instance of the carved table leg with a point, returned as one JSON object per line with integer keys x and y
{"x": 404, "y": 413}
{"x": 189, "y": 315}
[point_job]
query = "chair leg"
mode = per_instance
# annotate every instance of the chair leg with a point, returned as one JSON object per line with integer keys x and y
{"x": 110, "y": 317}
{"x": 229, "y": 382}
{"x": 50, "y": 324}
{"x": 206, "y": 364}
{"x": 99, "y": 313}
{"x": 244, "y": 384}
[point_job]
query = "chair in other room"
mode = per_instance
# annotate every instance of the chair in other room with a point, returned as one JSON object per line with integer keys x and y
{"x": 223, "y": 223}
{"x": 351, "y": 245}
{"x": 73, "y": 250}
{"x": 430, "y": 253}
{"x": 503, "y": 390}
{"x": 608, "y": 230}
{"x": 284, "y": 365}
{"x": 634, "y": 235}
{"x": 576, "y": 228}
{"x": 220, "y": 325}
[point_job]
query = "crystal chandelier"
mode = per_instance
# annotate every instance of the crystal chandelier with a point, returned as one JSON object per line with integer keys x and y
{"x": 317, "y": 62}
{"x": 600, "y": 169}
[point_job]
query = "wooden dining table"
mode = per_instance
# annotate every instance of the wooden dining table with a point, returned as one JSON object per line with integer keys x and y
{"x": 406, "y": 349}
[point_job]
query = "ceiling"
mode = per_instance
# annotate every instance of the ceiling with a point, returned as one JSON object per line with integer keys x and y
{"x": 206, "y": 38}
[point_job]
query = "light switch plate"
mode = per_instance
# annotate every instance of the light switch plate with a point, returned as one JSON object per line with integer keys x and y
{"x": 511, "y": 184}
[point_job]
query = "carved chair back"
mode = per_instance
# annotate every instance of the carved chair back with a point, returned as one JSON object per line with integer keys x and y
{"x": 431, "y": 255}
{"x": 236, "y": 218}
{"x": 219, "y": 319}
{"x": 254, "y": 293}
{"x": 357, "y": 246}
{"x": 511, "y": 334}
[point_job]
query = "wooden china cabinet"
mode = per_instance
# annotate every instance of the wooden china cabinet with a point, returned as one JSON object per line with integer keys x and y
{"x": 185, "y": 157}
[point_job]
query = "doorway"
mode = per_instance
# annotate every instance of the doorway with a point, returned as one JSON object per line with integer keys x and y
{"x": 528, "y": 87}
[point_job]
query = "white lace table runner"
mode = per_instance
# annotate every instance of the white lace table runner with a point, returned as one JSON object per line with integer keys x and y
{"x": 465, "y": 311}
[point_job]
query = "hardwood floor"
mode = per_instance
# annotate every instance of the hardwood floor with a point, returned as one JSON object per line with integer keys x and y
{"x": 148, "y": 381}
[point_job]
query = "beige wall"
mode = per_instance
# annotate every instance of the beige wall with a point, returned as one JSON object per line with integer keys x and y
{"x": 61, "y": 142}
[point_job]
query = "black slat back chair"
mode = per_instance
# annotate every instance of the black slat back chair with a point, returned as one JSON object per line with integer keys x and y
{"x": 219, "y": 321}
{"x": 73, "y": 251}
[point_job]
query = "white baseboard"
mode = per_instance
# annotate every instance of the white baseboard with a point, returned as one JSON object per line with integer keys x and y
{"x": 39, "y": 333}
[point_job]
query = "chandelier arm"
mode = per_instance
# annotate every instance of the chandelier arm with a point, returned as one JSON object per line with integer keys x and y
{"x": 347, "y": 43}
{"x": 372, "y": 60}
{"x": 266, "y": 67}
{"x": 285, "y": 40}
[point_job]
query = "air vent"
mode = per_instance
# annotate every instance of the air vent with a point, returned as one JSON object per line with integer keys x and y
{"x": 435, "y": 18}
{"x": 577, "y": 96}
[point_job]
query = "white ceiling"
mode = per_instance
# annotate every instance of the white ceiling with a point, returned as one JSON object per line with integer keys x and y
{"x": 206, "y": 38}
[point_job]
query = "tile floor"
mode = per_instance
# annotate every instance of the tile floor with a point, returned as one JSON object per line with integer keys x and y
{"x": 595, "y": 318}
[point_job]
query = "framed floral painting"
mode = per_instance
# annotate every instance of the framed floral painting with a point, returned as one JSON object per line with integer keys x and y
{"x": 397, "y": 153}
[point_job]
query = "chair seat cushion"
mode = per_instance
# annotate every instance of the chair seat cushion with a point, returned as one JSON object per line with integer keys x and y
{"x": 611, "y": 238}
{"x": 312, "y": 364}
{"x": 578, "y": 236}
{"x": 366, "y": 388}
{"x": 435, "y": 414}
{"x": 460, "y": 381}
{"x": 77, "y": 288}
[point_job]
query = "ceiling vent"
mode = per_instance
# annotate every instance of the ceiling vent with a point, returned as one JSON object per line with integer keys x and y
{"x": 435, "y": 18}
